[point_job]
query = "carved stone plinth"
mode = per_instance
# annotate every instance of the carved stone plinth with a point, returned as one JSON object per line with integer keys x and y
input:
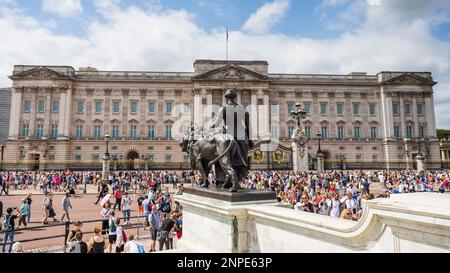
{"x": 300, "y": 151}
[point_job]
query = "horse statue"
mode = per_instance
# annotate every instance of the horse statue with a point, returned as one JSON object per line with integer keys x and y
{"x": 208, "y": 147}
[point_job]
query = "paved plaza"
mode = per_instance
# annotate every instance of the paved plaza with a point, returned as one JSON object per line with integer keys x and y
{"x": 84, "y": 209}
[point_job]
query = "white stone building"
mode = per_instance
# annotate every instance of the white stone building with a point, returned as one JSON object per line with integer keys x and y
{"x": 59, "y": 115}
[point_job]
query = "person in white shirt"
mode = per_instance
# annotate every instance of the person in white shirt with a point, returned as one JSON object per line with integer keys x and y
{"x": 132, "y": 246}
{"x": 120, "y": 241}
{"x": 350, "y": 204}
{"x": 126, "y": 208}
{"x": 334, "y": 203}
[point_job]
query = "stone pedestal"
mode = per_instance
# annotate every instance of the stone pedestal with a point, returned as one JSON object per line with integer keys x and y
{"x": 320, "y": 162}
{"x": 299, "y": 151}
{"x": 106, "y": 168}
{"x": 420, "y": 163}
{"x": 216, "y": 220}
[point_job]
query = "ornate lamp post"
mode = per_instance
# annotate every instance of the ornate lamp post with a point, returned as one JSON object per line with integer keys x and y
{"x": 320, "y": 164}
{"x": 299, "y": 141}
{"x": 106, "y": 160}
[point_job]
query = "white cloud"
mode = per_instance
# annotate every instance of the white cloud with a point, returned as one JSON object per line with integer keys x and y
{"x": 63, "y": 8}
{"x": 266, "y": 16}
{"x": 170, "y": 40}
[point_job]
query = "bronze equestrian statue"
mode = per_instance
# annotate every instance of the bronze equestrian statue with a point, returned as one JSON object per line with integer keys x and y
{"x": 224, "y": 145}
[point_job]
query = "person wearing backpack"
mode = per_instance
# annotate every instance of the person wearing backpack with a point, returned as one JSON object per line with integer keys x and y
{"x": 8, "y": 229}
{"x": 112, "y": 233}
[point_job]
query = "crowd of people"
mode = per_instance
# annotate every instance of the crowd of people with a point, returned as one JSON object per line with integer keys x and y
{"x": 162, "y": 216}
{"x": 340, "y": 194}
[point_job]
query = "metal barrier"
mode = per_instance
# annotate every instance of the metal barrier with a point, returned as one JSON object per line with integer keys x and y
{"x": 67, "y": 230}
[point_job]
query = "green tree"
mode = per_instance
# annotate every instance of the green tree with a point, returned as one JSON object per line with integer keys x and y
{"x": 443, "y": 133}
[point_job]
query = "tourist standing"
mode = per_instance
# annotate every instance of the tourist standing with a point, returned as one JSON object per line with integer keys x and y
{"x": 121, "y": 237}
{"x": 8, "y": 229}
{"x": 126, "y": 208}
{"x": 105, "y": 212}
{"x": 133, "y": 247}
{"x": 166, "y": 227}
{"x": 97, "y": 243}
{"x": 118, "y": 196}
{"x": 29, "y": 200}
{"x": 65, "y": 206}
{"x": 78, "y": 246}
{"x": 112, "y": 235}
{"x": 154, "y": 223}
{"x": 23, "y": 212}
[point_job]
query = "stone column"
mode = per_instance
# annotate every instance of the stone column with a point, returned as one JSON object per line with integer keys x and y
{"x": 254, "y": 115}
{"x": 402, "y": 117}
{"x": 209, "y": 108}
{"x": 48, "y": 113}
{"x": 62, "y": 114}
{"x": 14, "y": 121}
{"x": 197, "y": 107}
{"x": 430, "y": 117}
{"x": 33, "y": 110}
{"x": 415, "y": 118}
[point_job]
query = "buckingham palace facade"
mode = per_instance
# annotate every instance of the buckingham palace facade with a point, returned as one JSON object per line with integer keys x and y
{"x": 59, "y": 116}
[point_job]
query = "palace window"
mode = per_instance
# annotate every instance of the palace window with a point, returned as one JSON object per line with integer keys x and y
{"x": 409, "y": 132}
{"x": 397, "y": 132}
{"x": 98, "y": 107}
{"x": 323, "y": 108}
{"x": 395, "y": 109}
{"x": 80, "y": 106}
{"x": 168, "y": 158}
{"x": 25, "y": 130}
{"x": 115, "y": 131}
{"x": 134, "y": 107}
{"x": 133, "y": 131}
{"x": 306, "y": 107}
{"x": 324, "y": 130}
{"x": 169, "y": 131}
{"x": 373, "y": 132}
{"x": 39, "y": 130}
{"x": 41, "y": 106}
{"x": 187, "y": 107}
{"x": 169, "y": 107}
{"x": 407, "y": 109}
{"x": 55, "y": 106}
{"x": 78, "y": 157}
{"x": 290, "y": 107}
{"x": 95, "y": 157}
{"x": 355, "y": 109}
{"x": 421, "y": 132}
{"x": 340, "y": 132}
{"x": 357, "y": 132}
{"x": 339, "y": 109}
{"x": 151, "y": 131}
{"x": 290, "y": 131}
{"x": 97, "y": 131}
{"x": 151, "y": 107}
{"x": 27, "y": 106}
{"x": 151, "y": 157}
{"x": 116, "y": 107}
{"x": 358, "y": 157}
{"x": 274, "y": 131}
{"x": 79, "y": 131}
{"x": 420, "y": 109}
{"x": 274, "y": 109}
{"x": 372, "y": 110}
{"x": 54, "y": 131}
{"x": 308, "y": 132}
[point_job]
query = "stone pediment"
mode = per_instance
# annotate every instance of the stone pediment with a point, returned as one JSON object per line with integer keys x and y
{"x": 40, "y": 73}
{"x": 231, "y": 72}
{"x": 410, "y": 79}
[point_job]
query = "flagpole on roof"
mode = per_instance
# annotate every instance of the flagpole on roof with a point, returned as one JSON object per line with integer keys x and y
{"x": 227, "y": 45}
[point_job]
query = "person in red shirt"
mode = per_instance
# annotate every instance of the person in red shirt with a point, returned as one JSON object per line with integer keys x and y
{"x": 118, "y": 196}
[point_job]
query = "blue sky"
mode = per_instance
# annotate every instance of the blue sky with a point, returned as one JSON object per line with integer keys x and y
{"x": 295, "y": 36}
